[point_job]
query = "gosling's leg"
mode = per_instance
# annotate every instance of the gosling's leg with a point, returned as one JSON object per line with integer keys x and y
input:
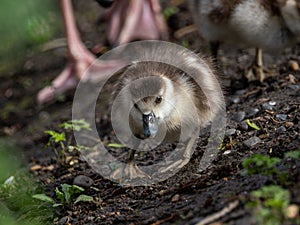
{"x": 257, "y": 70}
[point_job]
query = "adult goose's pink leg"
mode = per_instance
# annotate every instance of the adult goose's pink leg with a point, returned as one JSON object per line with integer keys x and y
{"x": 80, "y": 60}
{"x": 135, "y": 20}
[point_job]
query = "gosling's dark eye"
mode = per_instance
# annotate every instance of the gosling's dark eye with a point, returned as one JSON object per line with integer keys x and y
{"x": 158, "y": 99}
{"x": 135, "y": 105}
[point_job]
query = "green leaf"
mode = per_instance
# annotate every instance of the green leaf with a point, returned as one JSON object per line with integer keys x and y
{"x": 252, "y": 124}
{"x": 55, "y": 136}
{"x": 66, "y": 190}
{"x": 116, "y": 145}
{"x": 70, "y": 190}
{"x": 74, "y": 189}
{"x": 76, "y": 125}
{"x": 43, "y": 198}
{"x": 59, "y": 195}
{"x": 57, "y": 204}
{"x": 84, "y": 198}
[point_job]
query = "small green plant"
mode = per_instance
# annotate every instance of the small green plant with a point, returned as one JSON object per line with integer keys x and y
{"x": 70, "y": 193}
{"x": 260, "y": 164}
{"x": 266, "y": 165}
{"x": 269, "y": 204}
{"x": 17, "y": 203}
{"x": 67, "y": 195}
{"x": 59, "y": 138}
{"x": 16, "y": 188}
{"x": 292, "y": 154}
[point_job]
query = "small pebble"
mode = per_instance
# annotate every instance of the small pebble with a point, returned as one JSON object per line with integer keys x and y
{"x": 252, "y": 141}
{"x": 264, "y": 136}
{"x": 230, "y": 132}
{"x": 267, "y": 106}
{"x": 294, "y": 87}
{"x": 64, "y": 220}
{"x": 282, "y": 117}
{"x": 244, "y": 126}
{"x": 227, "y": 152}
{"x": 240, "y": 116}
{"x": 289, "y": 124}
{"x": 175, "y": 198}
{"x": 294, "y": 65}
{"x": 195, "y": 221}
{"x": 240, "y": 92}
{"x": 91, "y": 218}
{"x": 8, "y": 93}
{"x": 253, "y": 112}
{"x": 292, "y": 211}
{"x": 83, "y": 181}
{"x": 235, "y": 99}
{"x": 281, "y": 129}
{"x": 272, "y": 103}
{"x": 292, "y": 79}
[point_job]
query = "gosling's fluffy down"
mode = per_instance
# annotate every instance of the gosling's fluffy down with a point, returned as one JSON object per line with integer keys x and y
{"x": 267, "y": 24}
{"x": 177, "y": 99}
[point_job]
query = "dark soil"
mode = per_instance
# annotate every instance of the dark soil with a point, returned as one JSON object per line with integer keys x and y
{"x": 189, "y": 196}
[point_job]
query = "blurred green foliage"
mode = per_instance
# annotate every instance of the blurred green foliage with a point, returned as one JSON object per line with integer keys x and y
{"x": 24, "y": 25}
{"x": 269, "y": 204}
{"x": 17, "y": 186}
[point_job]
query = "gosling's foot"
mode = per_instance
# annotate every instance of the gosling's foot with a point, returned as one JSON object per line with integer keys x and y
{"x": 256, "y": 73}
{"x": 129, "y": 171}
{"x": 259, "y": 73}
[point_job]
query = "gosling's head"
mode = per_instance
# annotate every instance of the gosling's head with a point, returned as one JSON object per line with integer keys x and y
{"x": 151, "y": 95}
{"x": 152, "y": 102}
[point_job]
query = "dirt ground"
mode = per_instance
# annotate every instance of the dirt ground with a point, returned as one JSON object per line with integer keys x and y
{"x": 189, "y": 196}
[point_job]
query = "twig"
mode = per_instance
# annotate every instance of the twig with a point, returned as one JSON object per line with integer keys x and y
{"x": 219, "y": 214}
{"x": 184, "y": 31}
{"x": 54, "y": 44}
{"x": 163, "y": 220}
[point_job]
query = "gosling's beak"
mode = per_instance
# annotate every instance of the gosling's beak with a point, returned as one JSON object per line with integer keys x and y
{"x": 150, "y": 125}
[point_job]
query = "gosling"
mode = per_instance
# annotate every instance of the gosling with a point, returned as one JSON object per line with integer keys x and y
{"x": 163, "y": 100}
{"x": 270, "y": 25}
